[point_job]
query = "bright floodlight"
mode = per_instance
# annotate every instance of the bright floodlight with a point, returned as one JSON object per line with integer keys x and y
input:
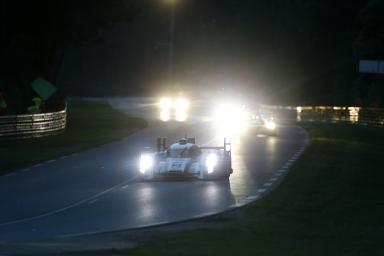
{"x": 211, "y": 162}
{"x": 146, "y": 162}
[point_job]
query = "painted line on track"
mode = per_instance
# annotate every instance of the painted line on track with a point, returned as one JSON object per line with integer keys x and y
{"x": 253, "y": 197}
{"x": 93, "y": 201}
{"x": 261, "y": 190}
{"x": 25, "y": 170}
{"x": 66, "y": 207}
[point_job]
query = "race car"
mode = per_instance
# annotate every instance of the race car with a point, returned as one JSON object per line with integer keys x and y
{"x": 174, "y": 109}
{"x": 264, "y": 124}
{"x": 185, "y": 159}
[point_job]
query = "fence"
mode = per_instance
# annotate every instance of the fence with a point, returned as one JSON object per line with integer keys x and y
{"x": 355, "y": 115}
{"x": 34, "y": 125}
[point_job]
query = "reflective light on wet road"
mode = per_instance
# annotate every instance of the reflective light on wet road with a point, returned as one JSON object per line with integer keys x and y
{"x": 109, "y": 199}
{"x": 147, "y": 208}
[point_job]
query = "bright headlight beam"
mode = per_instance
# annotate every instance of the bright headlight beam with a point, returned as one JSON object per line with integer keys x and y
{"x": 181, "y": 104}
{"x": 211, "y": 162}
{"x": 146, "y": 162}
{"x": 165, "y": 104}
{"x": 181, "y": 115}
{"x": 165, "y": 115}
{"x": 231, "y": 118}
{"x": 270, "y": 125}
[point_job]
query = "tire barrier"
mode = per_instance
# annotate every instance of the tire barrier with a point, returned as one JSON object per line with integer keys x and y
{"x": 33, "y": 125}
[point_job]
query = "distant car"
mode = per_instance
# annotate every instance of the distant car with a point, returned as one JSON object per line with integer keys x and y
{"x": 185, "y": 159}
{"x": 174, "y": 109}
{"x": 263, "y": 123}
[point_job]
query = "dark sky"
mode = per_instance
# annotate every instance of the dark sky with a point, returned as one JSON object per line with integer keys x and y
{"x": 248, "y": 45}
{"x": 215, "y": 44}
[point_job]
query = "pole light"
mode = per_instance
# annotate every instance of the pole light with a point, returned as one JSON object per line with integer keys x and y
{"x": 172, "y": 41}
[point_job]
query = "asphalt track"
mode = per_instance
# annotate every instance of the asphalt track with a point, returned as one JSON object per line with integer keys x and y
{"x": 99, "y": 190}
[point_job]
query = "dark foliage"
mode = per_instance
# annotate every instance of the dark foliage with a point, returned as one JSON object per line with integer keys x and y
{"x": 299, "y": 51}
{"x": 35, "y": 35}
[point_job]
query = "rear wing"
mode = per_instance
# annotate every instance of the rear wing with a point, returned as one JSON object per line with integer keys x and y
{"x": 161, "y": 144}
{"x": 227, "y": 147}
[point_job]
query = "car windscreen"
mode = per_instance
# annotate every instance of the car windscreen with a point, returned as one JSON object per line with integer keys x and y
{"x": 193, "y": 151}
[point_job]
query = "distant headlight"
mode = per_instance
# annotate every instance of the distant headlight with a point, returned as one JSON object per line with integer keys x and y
{"x": 230, "y": 118}
{"x": 165, "y": 104}
{"x": 181, "y": 104}
{"x": 165, "y": 115}
{"x": 181, "y": 115}
{"x": 270, "y": 125}
{"x": 146, "y": 163}
{"x": 211, "y": 162}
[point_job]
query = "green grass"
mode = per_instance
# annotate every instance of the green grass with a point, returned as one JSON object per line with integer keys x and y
{"x": 89, "y": 124}
{"x": 331, "y": 203}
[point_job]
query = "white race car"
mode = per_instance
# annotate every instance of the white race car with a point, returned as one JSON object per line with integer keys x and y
{"x": 186, "y": 159}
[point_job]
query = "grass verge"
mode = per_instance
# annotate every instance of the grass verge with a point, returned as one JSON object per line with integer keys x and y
{"x": 331, "y": 203}
{"x": 89, "y": 124}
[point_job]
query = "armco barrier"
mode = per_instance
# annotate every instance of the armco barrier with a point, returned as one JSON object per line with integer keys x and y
{"x": 34, "y": 125}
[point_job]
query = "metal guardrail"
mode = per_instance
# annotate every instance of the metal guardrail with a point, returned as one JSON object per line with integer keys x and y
{"x": 355, "y": 115}
{"x": 34, "y": 125}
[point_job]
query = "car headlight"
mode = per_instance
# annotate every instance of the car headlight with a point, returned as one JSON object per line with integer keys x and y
{"x": 165, "y": 104}
{"x": 181, "y": 104}
{"x": 211, "y": 162}
{"x": 231, "y": 118}
{"x": 146, "y": 163}
{"x": 165, "y": 115}
{"x": 270, "y": 125}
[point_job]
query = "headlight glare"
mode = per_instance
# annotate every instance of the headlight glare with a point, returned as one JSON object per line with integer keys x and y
{"x": 211, "y": 162}
{"x": 146, "y": 163}
{"x": 270, "y": 125}
{"x": 181, "y": 104}
{"x": 165, "y": 104}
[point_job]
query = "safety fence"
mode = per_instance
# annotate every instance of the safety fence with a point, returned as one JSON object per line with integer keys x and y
{"x": 33, "y": 125}
{"x": 355, "y": 115}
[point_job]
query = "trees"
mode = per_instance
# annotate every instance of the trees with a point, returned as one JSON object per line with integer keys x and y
{"x": 370, "y": 39}
{"x": 35, "y": 34}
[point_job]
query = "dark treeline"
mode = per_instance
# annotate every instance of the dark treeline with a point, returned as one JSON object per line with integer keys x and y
{"x": 35, "y": 36}
{"x": 296, "y": 51}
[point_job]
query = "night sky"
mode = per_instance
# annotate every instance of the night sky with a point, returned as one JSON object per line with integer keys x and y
{"x": 280, "y": 51}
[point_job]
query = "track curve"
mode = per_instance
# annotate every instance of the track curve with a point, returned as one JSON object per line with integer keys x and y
{"x": 98, "y": 190}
